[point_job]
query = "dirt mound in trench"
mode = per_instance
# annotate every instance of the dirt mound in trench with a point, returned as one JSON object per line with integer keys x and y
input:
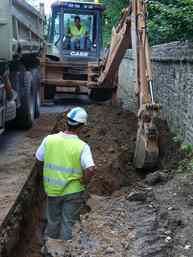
{"x": 111, "y": 133}
{"x": 152, "y": 224}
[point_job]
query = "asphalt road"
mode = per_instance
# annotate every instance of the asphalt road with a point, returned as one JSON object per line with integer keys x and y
{"x": 11, "y": 138}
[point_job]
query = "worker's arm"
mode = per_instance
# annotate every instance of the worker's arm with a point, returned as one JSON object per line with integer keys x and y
{"x": 40, "y": 161}
{"x": 41, "y": 152}
{"x": 39, "y": 165}
{"x": 87, "y": 164}
{"x": 40, "y": 156}
{"x": 69, "y": 32}
{"x": 85, "y": 31}
{"x": 86, "y": 34}
{"x": 87, "y": 175}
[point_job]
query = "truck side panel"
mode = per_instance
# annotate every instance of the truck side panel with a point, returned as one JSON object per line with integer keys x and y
{"x": 21, "y": 28}
{"x": 28, "y": 26}
{"x": 5, "y": 30}
{"x": 21, "y": 39}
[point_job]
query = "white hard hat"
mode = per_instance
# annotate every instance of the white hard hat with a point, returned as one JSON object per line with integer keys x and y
{"x": 77, "y": 116}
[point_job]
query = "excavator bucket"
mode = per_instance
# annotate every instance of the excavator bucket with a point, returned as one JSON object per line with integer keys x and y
{"x": 146, "y": 152}
{"x": 147, "y": 147}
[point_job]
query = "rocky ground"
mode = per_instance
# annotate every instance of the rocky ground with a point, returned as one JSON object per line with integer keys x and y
{"x": 132, "y": 214}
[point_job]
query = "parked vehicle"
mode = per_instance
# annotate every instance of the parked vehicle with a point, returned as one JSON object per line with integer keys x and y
{"x": 71, "y": 66}
{"x": 21, "y": 42}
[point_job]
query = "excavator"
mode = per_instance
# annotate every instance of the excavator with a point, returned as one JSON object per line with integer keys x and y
{"x": 67, "y": 67}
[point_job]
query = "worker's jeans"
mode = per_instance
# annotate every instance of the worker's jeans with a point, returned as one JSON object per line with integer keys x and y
{"x": 62, "y": 213}
{"x": 75, "y": 42}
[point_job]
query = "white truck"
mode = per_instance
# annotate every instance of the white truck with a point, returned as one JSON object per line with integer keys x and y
{"x": 21, "y": 43}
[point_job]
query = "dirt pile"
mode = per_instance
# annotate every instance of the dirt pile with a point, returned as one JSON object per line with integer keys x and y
{"x": 111, "y": 134}
{"x": 143, "y": 223}
{"x": 131, "y": 214}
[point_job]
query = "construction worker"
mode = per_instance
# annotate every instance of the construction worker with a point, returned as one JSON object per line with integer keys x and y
{"x": 67, "y": 168}
{"x": 78, "y": 35}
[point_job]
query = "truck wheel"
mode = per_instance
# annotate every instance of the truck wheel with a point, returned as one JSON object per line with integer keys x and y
{"x": 25, "y": 114}
{"x": 101, "y": 94}
{"x": 36, "y": 86}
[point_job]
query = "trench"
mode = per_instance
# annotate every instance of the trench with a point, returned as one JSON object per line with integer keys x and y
{"x": 131, "y": 226}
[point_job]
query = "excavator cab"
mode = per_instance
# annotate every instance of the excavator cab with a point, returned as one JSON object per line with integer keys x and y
{"x": 76, "y": 30}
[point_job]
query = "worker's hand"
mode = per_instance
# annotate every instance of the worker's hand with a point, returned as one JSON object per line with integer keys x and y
{"x": 82, "y": 180}
{"x": 39, "y": 166}
{"x": 88, "y": 174}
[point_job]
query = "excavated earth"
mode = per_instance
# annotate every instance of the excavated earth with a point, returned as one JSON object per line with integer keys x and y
{"x": 133, "y": 213}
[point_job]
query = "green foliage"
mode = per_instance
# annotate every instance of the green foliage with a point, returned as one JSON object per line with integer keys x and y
{"x": 177, "y": 139}
{"x": 185, "y": 166}
{"x": 170, "y": 20}
{"x": 111, "y": 16}
{"x": 187, "y": 148}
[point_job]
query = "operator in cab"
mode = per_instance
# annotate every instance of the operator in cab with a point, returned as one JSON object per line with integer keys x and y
{"x": 78, "y": 35}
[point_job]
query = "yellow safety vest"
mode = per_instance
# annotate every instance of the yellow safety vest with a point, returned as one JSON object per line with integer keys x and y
{"x": 75, "y": 32}
{"x": 62, "y": 166}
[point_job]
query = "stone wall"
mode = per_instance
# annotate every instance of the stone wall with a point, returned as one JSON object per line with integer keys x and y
{"x": 173, "y": 85}
{"x": 126, "y": 89}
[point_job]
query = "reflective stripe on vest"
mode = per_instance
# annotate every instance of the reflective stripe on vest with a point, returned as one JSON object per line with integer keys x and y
{"x": 62, "y": 166}
{"x": 51, "y": 166}
{"x": 54, "y": 182}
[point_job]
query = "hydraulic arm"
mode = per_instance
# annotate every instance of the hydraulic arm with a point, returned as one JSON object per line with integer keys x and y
{"x": 147, "y": 149}
{"x": 131, "y": 32}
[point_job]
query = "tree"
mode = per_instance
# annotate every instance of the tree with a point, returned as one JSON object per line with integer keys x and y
{"x": 170, "y": 20}
{"x": 111, "y": 16}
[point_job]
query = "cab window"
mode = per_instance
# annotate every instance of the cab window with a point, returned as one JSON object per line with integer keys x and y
{"x": 56, "y": 28}
{"x": 79, "y": 32}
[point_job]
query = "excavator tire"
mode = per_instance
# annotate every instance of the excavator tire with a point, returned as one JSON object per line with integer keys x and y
{"x": 101, "y": 94}
{"x": 146, "y": 153}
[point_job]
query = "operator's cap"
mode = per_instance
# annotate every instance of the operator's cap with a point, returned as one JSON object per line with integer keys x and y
{"x": 77, "y": 116}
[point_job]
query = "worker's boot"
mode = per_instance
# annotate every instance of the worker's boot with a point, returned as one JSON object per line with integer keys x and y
{"x": 44, "y": 251}
{"x": 54, "y": 248}
{"x": 85, "y": 208}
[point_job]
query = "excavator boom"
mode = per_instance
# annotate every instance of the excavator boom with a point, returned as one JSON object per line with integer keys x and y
{"x": 121, "y": 41}
{"x": 131, "y": 33}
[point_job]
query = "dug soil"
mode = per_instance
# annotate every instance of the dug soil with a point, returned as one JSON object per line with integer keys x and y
{"x": 133, "y": 214}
